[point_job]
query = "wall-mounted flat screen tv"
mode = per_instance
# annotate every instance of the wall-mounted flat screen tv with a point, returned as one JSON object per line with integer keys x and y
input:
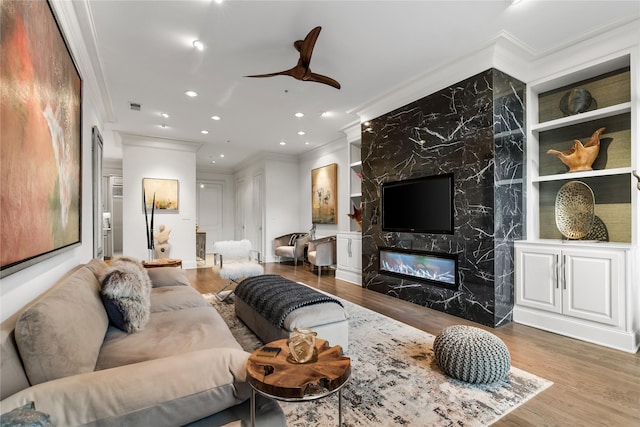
{"x": 422, "y": 205}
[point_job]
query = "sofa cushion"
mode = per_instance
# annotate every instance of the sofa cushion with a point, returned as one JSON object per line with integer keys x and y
{"x": 167, "y": 276}
{"x": 61, "y": 334}
{"x": 175, "y": 298}
{"x": 126, "y": 290}
{"x": 168, "y": 333}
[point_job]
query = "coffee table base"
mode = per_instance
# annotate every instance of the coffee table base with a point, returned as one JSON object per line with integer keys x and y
{"x": 295, "y": 399}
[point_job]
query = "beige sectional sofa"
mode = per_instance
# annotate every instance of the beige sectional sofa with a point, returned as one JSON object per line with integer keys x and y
{"x": 183, "y": 367}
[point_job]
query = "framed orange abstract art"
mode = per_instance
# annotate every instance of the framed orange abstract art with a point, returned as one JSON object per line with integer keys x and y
{"x": 40, "y": 137}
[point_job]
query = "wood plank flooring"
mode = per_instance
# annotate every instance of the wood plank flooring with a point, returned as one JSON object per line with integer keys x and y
{"x": 593, "y": 385}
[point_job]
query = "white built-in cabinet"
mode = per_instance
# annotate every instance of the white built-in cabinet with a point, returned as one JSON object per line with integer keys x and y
{"x": 574, "y": 290}
{"x": 349, "y": 258}
{"x": 349, "y": 243}
{"x": 582, "y": 288}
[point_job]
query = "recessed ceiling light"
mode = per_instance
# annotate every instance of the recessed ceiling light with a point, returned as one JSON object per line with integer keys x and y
{"x": 201, "y": 185}
{"x": 198, "y": 44}
{"x": 213, "y": 161}
{"x": 306, "y": 143}
{"x": 191, "y": 93}
{"x": 283, "y": 143}
{"x": 221, "y": 155}
{"x": 298, "y": 115}
{"x": 204, "y": 132}
{"x": 326, "y": 114}
{"x": 164, "y": 126}
{"x": 301, "y": 132}
{"x": 165, "y": 115}
{"x": 215, "y": 117}
{"x": 218, "y": 1}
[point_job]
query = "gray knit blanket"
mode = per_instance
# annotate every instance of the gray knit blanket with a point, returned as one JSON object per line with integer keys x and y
{"x": 275, "y": 297}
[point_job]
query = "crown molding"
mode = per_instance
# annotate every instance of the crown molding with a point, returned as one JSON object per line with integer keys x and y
{"x": 129, "y": 139}
{"x": 75, "y": 20}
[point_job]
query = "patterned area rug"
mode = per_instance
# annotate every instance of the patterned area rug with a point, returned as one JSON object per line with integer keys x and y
{"x": 395, "y": 381}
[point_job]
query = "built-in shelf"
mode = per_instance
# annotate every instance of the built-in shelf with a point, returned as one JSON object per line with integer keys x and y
{"x": 582, "y": 174}
{"x": 582, "y": 117}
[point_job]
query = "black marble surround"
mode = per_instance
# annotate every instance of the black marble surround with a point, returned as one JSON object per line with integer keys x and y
{"x": 476, "y": 130}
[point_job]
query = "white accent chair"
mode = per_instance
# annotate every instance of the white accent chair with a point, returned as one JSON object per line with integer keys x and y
{"x": 291, "y": 245}
{"x": 235, "y": 260}
{"x": 322, "y": 253}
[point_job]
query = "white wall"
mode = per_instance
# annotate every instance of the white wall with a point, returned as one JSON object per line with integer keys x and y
{"x": 335, "y": 152}
{"x": 152, "y": 158}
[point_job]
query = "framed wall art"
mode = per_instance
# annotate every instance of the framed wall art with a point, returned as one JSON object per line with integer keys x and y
{"x": 41, "y": 134}
{"x": 324, "y": 194}
{"x": 166, "y": 194}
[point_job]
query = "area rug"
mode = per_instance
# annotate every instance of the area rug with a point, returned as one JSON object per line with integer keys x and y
{"x": 395, "y": 380}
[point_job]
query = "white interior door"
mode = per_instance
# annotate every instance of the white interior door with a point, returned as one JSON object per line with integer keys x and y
{"x": 241, "y": 189}
{"x": 210, "y": 204}
{"x": 258, "y": 212}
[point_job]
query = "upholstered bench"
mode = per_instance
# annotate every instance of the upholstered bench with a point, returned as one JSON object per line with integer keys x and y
{"x": 272, "y": 306}
{"x": 471, "y": 354}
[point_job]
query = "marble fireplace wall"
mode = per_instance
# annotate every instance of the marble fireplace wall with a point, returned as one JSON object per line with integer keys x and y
{"x": 474, "y": 129}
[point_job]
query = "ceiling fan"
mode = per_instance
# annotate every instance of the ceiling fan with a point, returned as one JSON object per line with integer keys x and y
{"x": 302, "y": 71}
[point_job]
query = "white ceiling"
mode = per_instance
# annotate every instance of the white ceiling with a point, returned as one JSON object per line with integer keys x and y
{"x": 370, "y": 47}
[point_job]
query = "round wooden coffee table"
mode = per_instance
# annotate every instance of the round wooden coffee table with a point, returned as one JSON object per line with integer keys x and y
{"x": 162, "y": 262}
{"x": 279, "y": 379}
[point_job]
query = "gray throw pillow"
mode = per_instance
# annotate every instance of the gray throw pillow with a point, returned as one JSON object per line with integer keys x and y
{"x": 25, "y": 416}
{"x": 126, "y": 294}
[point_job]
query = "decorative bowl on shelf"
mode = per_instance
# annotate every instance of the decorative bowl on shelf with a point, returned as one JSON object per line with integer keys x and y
{"x": 580, "y": 157}
{"x": 575, "y": 206}
{"x": 576, "y": 101}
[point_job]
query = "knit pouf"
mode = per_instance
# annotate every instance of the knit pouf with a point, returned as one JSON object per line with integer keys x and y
{"x": 471, "y": 354}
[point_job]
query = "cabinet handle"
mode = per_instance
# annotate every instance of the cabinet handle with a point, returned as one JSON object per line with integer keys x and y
{"x": 349, "y": 248}
{"x": 556, "y": 272}
{"x": 564, "y": 272}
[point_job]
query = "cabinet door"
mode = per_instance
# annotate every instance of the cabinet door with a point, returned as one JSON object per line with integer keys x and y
{"x": 537, "y": 284}
{"x": 343, "y": 255}
{"x": 356, "y": 254}
{"x": 593, "y": 282}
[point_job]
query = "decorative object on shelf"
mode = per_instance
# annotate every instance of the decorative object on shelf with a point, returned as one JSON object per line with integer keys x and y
{"x": 580, "y": 157}
{"x": 162, "y": 237}
{"x": 302, "y": 344}
{"x": 576, "y": 101}
{"x": 357, "y": 216}
{"x": 575, "y": 205}
{"x": 324, "y": 194}
{"x": 635, "y": 173}
{"x": 598, "y": 231}
{"x": 149, "y": 227}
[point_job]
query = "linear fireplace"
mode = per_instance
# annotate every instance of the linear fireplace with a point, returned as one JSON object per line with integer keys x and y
{"x": 434, "y": 268}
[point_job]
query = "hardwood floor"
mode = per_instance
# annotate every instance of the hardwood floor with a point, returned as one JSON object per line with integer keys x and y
{"x": 593, "y": 385}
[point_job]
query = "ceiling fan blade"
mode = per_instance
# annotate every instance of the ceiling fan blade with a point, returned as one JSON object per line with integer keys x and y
{"x": 279, "y": 73}
{"x": 306, "y": 48}
{"x": 319, "y": 78}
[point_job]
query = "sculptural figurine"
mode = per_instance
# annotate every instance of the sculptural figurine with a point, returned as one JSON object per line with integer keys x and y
{"x": 162, "y": 238}
{"x": 580, "y": 157}
{"x": 357, "y": 216}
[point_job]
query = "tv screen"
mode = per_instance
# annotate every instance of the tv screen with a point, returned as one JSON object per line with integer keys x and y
{"x": 422, "y": 205}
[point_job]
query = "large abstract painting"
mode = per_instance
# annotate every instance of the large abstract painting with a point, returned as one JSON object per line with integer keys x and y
{"x": 163, "y": 191}
{"x": 40, "y": 137}
{"x": 324, "y": 194}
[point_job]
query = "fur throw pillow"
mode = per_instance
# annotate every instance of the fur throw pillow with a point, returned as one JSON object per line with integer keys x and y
{"x": 126, "y": 294}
